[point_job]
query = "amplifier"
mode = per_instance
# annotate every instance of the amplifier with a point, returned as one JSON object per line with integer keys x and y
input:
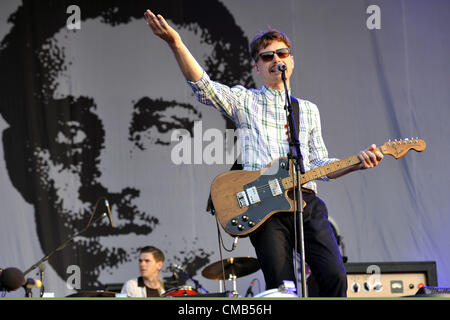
{"x": 389, "y": 279}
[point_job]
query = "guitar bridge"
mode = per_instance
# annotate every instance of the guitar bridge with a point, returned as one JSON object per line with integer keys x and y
{"x": 242, "y": 199}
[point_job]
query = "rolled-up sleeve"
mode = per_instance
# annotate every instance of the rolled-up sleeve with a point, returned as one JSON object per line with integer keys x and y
{"x": 217, "y": 95}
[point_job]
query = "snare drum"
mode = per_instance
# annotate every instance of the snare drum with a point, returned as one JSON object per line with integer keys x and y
{"x": 180, "y": 292}
{"x": 275, "y": 293}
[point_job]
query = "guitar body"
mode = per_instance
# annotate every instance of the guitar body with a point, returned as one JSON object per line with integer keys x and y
{"x": 244, "y": 200}
{"x": 241, "y": 220}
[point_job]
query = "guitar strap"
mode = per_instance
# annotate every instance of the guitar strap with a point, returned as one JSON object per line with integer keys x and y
{"x": 238, "y": 166}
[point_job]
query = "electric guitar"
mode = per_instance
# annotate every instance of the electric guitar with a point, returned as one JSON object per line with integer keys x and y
{"x": 243, "y": 200}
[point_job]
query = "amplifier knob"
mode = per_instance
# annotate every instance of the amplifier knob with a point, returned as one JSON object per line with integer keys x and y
{"x": 355, "y": 287}
{"x": 367, "y": 286}
{"x": 377, "y": 287}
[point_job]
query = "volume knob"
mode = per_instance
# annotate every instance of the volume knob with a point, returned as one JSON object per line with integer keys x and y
{"x": 355, "y": 287}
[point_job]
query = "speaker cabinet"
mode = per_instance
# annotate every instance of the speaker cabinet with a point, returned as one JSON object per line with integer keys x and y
{"x": 389, "y": 279}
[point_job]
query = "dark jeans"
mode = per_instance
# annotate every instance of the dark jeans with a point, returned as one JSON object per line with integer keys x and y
{"x": 274, "y": 246}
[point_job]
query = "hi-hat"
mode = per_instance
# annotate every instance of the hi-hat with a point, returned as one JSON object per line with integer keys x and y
{"x": 238, "y": 267}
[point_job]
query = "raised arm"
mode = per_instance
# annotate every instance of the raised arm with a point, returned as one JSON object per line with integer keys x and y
{"x": 190, "y": 68}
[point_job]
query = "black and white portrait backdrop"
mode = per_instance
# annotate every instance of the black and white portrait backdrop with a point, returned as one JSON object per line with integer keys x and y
{"x": 93, "y": 107}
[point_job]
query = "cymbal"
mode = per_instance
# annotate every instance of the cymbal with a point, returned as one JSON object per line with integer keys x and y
{"x": 238, "y": 267}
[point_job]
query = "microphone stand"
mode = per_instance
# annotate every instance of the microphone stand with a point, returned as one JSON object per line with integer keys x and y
{"x": 197, "y": 284}
{"x": 295, "y": 156}
{"x": 65, "y": 243}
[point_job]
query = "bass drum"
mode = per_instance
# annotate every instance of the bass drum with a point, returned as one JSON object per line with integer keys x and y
{"x": 180, "y": 292}
{"x": 275, "y": 293}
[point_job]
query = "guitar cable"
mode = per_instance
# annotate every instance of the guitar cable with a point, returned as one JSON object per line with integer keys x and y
{"x": 221, "y": 244}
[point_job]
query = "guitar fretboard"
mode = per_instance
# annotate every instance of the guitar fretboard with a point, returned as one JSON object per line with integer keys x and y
{"x": 319, "y": 172}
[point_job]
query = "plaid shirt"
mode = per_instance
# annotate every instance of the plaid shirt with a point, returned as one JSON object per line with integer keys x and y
{"x": 260, "y": 118}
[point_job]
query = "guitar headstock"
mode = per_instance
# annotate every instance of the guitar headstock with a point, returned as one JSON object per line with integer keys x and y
{"x": 398, "y": 148}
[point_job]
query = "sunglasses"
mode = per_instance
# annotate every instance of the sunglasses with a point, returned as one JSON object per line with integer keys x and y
{"x": 268, "y": 55}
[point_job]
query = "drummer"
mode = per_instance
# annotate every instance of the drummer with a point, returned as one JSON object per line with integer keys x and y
{"x": 149, "y": 284}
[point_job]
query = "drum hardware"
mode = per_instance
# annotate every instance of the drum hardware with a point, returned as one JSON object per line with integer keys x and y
{"x": 198, "y": 286}
{"x": 180, "y": 292}
{"x": 231, "y": 268}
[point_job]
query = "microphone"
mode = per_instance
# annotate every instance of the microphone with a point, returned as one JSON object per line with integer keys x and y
{"x": 249, "y": 290}
{"x": 30, "y": 283}
{"x": 281, "y": 67}
{"x": 11, "y": 279}
{"x": 177, "y": 267}
{"x": 109, "y": 213}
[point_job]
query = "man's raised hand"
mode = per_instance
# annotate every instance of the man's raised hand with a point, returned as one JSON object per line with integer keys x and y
{"x": 161, "y": 28}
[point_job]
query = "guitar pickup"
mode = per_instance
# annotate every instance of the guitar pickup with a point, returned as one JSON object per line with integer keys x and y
{"x": 242, "y": 199}
{"x": 253, "y": 195}
{"x": 275, "y": 187}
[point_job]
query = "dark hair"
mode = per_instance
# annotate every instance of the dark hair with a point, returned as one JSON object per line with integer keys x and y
{"x": 157, "y": 254}
{"x": 264, "y": 38}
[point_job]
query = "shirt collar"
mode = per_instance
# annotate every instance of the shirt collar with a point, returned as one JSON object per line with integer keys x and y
{"x": 272, "y": 93}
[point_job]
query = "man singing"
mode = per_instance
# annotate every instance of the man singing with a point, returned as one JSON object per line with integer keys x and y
{"x": 260, "y": 118}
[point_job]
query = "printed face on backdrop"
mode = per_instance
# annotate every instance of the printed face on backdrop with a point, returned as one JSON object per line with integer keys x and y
{"x": 95, "y": 121}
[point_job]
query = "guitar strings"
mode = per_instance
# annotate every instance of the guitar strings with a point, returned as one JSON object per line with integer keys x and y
{"x": 281, "y": 182}
{"x": 317, "y": 174}
{"x": 303, "y": 177}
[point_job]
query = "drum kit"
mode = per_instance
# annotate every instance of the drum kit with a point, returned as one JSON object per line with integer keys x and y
{"x": 229, "y": 269}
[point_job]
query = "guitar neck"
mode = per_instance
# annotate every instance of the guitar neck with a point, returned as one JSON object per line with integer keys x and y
{"x": 319, "y": 172}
